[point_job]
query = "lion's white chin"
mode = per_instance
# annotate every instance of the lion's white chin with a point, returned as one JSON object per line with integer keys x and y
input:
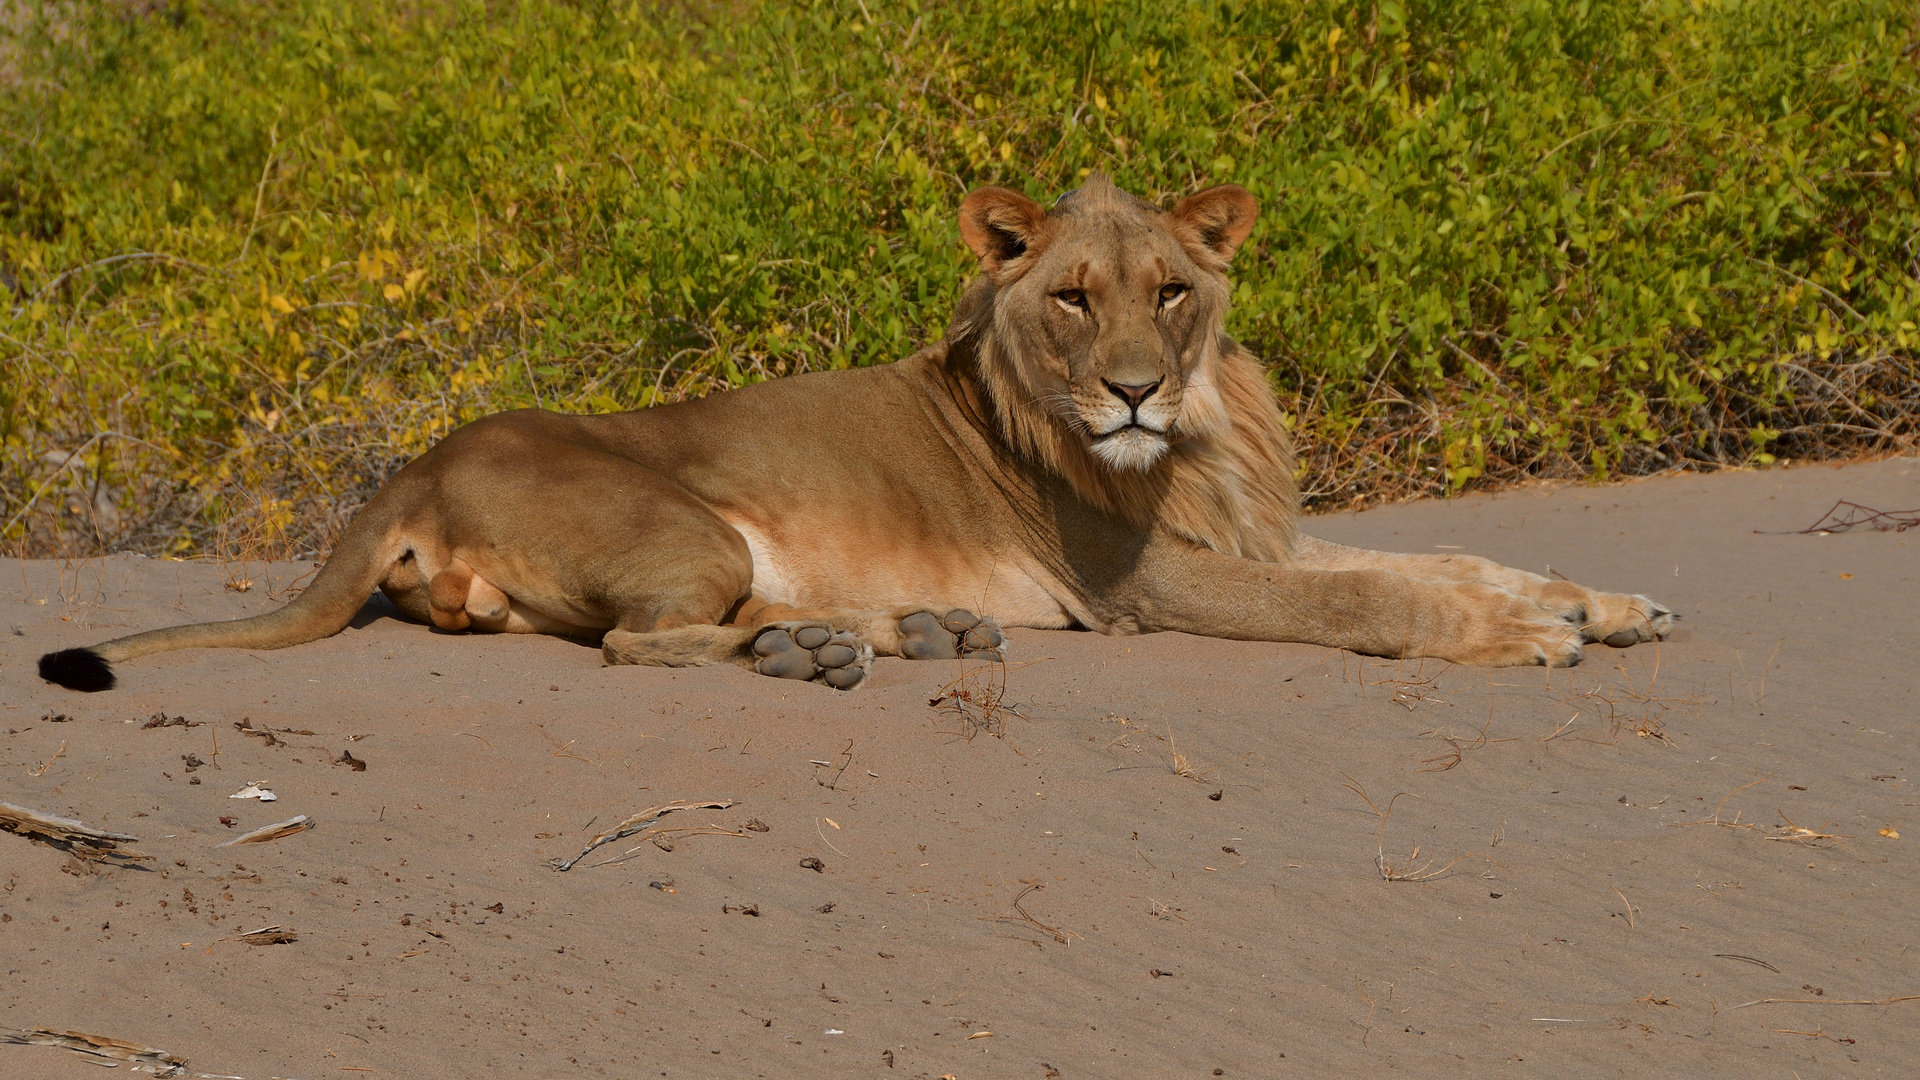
{"x": 1131, "y": 449}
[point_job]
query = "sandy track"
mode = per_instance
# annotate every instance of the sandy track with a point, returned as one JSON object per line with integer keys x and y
{"x": 1249, "y": 934}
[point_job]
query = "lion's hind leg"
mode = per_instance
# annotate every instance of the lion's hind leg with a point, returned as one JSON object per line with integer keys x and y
{"x": 458, "y": 598}
{"x": 680, "y": 646}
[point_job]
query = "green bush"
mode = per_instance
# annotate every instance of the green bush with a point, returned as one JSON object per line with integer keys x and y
{"x": 263, "y": 252}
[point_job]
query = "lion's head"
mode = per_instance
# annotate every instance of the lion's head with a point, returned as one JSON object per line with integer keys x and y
{"x": 1110, "y": 312}
{"x": 1098, "y": 329}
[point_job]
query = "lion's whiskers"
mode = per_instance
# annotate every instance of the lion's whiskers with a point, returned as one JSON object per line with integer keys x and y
{"x": 1061, "y": 404}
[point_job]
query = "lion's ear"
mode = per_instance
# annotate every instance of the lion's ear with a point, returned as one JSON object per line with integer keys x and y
{"x": 999, "y": 225}
{"x": 1219, "y": 218}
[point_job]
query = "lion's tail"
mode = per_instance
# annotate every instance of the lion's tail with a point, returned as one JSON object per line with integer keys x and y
{"x": 369, "y": 547}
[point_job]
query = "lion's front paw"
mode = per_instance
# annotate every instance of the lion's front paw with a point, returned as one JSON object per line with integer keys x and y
{"x": 1628, "y": 620}
{"x": 958, "y": 633}
{"x": 1505, "y": 630}
{"x": 1614, "y": 618}
{"x": 812, "y": 652}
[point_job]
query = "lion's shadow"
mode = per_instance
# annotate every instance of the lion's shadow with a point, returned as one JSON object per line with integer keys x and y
{"x": 377, "y": 608}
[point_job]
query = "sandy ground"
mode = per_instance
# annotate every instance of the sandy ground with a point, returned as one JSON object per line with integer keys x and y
{"x": 1607, "y": 875}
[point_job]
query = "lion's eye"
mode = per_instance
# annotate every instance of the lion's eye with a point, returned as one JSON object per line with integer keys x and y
{"x": 1073, "y": 298}
{"x": 1172, "y": 291}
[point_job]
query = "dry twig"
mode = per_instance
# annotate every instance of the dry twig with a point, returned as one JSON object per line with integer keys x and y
{"x": 1800, "y": 834}
{"x": 1459, "y": 750}
{"x": 1845, "y": 516}
{"x": 1830, "y": 1001}
{"x": 41, "y": 769}
{"x": 1021, "y": 917}
{"x": 66, "y": 833}
{"x": 142, "y": 1058}
{"x": 978, "y": 695}
{"x": 1629, "y": 903}
{"x": 639, "y": 821}
{"x": 298, "y": 823}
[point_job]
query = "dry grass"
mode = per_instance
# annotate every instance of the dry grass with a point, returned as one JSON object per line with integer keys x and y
{"x": 1458, "y": 746}
{"x": 41, "y": 769}
{"x": 1412, "y": 869}
{"x": 1630, "y": 923}
{"x": 1365, "y": 1026}
{"x": 1736, "y": 823}
{"x": 1626, "y": 709}
{"x": 1830, "y": 1001}
{"x": 1799, "y": 834}
{"x": 1176, "y": 760}
{"x": 1181, "y": 765}
{"x": 978, "y": 698}
{"x": 1383, "y": 445}
{"x": 1020, "y": 916}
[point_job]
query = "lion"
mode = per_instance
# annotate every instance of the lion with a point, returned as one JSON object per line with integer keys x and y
{"x": 1085, "y": 448}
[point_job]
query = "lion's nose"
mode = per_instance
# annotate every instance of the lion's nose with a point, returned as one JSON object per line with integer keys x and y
{"x": 1133, "y": 393}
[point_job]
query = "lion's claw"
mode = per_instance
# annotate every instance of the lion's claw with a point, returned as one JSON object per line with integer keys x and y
{"x": 1645, "y": 621}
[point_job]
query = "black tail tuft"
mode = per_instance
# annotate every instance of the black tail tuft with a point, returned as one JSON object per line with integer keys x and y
{"x": 77, "y": 669}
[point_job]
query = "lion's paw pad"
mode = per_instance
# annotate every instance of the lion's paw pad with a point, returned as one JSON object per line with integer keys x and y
{"x": 959, "y": 633}
{"x": 812, "y": 653}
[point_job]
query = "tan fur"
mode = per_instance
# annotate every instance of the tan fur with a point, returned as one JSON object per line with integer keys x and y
{"x": 1086, "y": 446}
{"x": 1228, "y": 481}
